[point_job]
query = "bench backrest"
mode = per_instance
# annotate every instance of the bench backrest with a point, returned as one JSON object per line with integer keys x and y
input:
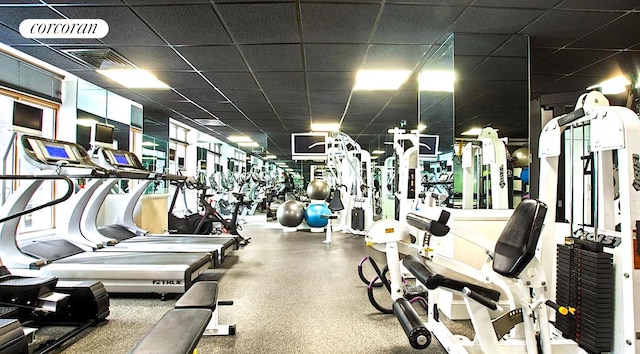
{"x": 516, "y": 245}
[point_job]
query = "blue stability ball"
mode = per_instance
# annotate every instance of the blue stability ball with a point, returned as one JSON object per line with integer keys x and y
{"x": 290, "y": 213}
{"x": 524, "y": 175}
{"x": 313, "y": 215}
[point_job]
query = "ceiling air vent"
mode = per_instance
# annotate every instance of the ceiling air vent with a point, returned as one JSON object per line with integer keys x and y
{"x": 100, "y": 58}
{"x": 210, "y": 122}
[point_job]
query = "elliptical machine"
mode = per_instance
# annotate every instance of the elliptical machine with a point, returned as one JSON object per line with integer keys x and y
{"x": 203, "y": 224}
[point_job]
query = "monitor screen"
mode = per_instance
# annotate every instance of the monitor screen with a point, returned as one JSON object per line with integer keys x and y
{"x": 103, "y": 134}
{"x": 121, "y": 159}
{"x": 428, "y": 145}
{"x": 309, "y": 146}
{"x": 27, "y": 116}
{"x": 58, "y": 152}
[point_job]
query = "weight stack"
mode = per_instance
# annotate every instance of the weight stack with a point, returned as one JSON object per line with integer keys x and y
{"x": 585, "y": 282}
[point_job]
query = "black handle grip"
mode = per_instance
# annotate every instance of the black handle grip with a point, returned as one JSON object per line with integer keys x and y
{"x": 418, "y": 335}
{"x": 485, "y": 301}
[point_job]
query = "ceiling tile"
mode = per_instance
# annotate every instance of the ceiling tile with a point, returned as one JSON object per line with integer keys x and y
{"x": 279, "y": 57}
{"x": 490, "y": 20}
{"x": 608, "y": 5}
{"x": 202, "y": 96}
{"x": 400, "y": 57}
{"x": 610, "y": 36}
{"x": 153, "y": 58}
{"x": 331, "y": 81}
{"x": 14, "y": 15}
{"x": 568, "y": 61}
{"x": 51, "y": 56}
{"x": 281, "y": 81}
{"x": 125, "y": 28}
{"x": 321, "y": 97}
{"x": 538, "y": 4}
{"x": 619, "y": 64}
{"x": 478, "y": 44}
{"x": 337, "y": 23}
{"x": 559, "y": 28}
{"x": 244, "y": 95}
{"x": 213, "y": 58}
{"x": 334, "y": 57}
{"x": 232, "y": 80}
{"x": 179, "y": 32}
{"x": 182, "y": 79}
{"x": 286, "y": 96}
{"x": 261, "y": 23}
{"x": 12, "y": 37}
{"x": 404, "y": 24}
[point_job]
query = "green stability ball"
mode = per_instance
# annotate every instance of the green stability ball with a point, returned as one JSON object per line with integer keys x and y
{"x": 290, "y": 213}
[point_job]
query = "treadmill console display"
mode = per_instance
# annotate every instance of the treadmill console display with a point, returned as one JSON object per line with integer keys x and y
{"x": 55, "y": 152}
{"x": 121, "y": 159}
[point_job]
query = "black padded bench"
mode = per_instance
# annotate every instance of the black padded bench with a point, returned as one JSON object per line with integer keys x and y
{"x": 163, "y": 337}
{"x": 204, "y": 295}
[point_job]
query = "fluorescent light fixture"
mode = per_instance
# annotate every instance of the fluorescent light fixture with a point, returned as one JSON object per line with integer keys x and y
{"x": 377, "y": 152}
{"x": 271, "y": 157}
{"x": 134, "y": 78}
{"x": 370, "y": 80}
{"x": 612, "y": 86}
{"x": 436, "y": 80}
{"x": 472, "y": 132}
{"x": 422, "y": 127}
{"x": 325, "y": 127}
{"x": 251, "y": 144}
{"x": 239, "y": 139}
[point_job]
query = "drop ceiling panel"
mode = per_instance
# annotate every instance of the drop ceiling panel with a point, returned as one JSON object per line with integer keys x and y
{"x": 597, "y": 5}
{"x": 12, "y": 37}
{"x": 620, "y": 34}
{"x": 489, "y": 20}
{"x": 286, "y": 96}
{"x": 280, "y": 81}
{"x": 232, "y": 80}
{"x": 202, "y": 17}
{"x": 244, "y": 95}
{"x": 261, "y": 23}
{"x": 50, "y": 56}
{"x": 619, "y": 64}
{"x": 214, "y": 58}
{"x": 278, "y": 57}
{"x": 250, "y": 108}
{"x": 325, "y": 111}
{"x": 337, "y": 23}
{"x": 208, "y": 95}
{"x": 390, "y": 57}
{"x": 160, "y": 95}
{"x": 568, "y": 61}
{"x": 319, "y": 97}
{"x": 334, "y": 57}
{"x": 414, "y": 24}
{"x": 330, "y": 81}
{"x": 182, "y": 79}
{"x": 299, "y": 108}
{"x": 538, "y": 4}
{"x": 478, "y": 44}
{"x": 559, "y": 28}
{"x": 153, "y": 58}
{"x": 125, "y": 28}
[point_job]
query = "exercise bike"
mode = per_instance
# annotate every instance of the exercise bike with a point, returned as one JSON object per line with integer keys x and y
{"x": 203, "y": 223}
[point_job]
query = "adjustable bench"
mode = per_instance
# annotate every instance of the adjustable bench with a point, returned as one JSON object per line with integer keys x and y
{"x": 164, "y": 336}
{"x": 204, "y": 295}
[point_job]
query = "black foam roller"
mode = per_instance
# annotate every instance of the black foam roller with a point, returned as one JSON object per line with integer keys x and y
{"x": 418, "y": 335}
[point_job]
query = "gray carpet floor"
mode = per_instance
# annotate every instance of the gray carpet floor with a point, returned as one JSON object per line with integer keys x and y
{"x": 292, "y": 294}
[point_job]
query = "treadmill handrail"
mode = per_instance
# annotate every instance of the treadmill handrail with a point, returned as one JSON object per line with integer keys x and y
{"x": 66, "y": 196}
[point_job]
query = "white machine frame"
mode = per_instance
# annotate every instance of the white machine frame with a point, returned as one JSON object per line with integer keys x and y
{"x": 613, "y": 129}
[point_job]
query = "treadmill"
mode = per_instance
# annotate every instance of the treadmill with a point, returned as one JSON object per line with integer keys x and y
{"x": 118, "y": 159}
{"x": 122, "y": 272}
{"x": 120, "y": 237}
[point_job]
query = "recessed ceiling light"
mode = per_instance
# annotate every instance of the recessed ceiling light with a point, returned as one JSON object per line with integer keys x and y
{"x": 370, "y": 80}
{"x": 325, "y": 127}
{"x": 377, "y": 152}
{"x": 436, "y": 80}
{"x": 239, "y": 139}
{"x": 134, "y": 78}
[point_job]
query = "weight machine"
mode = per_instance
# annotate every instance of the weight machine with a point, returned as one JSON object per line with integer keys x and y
{"x": 615, "y": 155}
